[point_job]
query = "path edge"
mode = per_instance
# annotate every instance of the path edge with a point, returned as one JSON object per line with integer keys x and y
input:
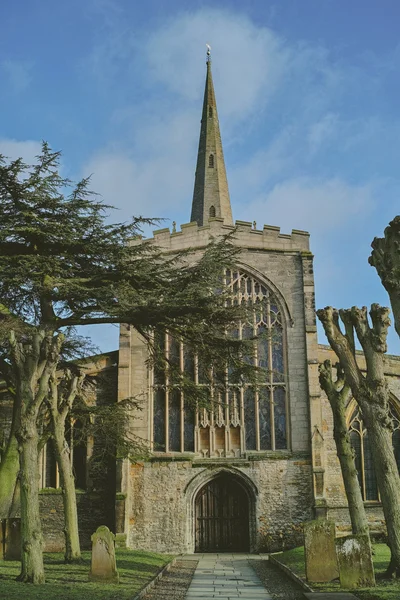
{"x": 290, "y": 574}
{"x": 152, "y": 583}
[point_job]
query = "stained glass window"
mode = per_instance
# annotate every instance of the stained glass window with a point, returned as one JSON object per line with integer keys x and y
{"x": 250, "y": 417}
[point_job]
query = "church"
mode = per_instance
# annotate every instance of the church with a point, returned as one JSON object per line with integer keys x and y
{"x": 245, "y": 474}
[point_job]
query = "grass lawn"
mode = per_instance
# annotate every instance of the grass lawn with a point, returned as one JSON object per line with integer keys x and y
{"x": 385, "y": 589}
{"x": 70, "y": 582}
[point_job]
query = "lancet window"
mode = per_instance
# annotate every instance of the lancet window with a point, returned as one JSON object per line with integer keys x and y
{"x": 361, "y": 445}
{"x": 241, "y": 418}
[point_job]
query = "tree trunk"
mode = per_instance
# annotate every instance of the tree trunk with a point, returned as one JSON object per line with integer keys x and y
{"x": 372, "y": 395}
{"x": 32, "y": 569}
{"x": 9, "y": 471}
{"x": 9, "y": 484}
{"x": 387, "y": 477}
{"x": 71, "y": 530}
{"x": 359, "y": 521}
{"x": 338, "y": 393}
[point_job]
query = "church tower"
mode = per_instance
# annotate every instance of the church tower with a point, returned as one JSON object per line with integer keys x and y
{"x": 211, "y": 193}
{"x": 248, "y": 457}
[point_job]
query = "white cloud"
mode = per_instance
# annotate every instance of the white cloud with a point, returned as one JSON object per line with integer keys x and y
{"x": 27, "y": 149}
{"x": 249, "y": 59}
{"x": 321, "y": 131}
{"x": 150, "y": 189}
{"x": 314, "y": 205}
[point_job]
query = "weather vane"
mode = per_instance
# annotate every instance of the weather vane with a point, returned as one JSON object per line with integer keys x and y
{"x": 208, "y": 52}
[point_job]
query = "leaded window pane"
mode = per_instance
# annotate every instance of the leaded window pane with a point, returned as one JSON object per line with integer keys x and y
{"x": 371, "y": 487}
{"x": 262, "y": 347}
{"x": 188, "y": 363}
{"x": 173, "y": 351}
{"x": 396, "y": 447}
{"x": 280, "y": 418}
{"x": 174, "y": 421}
{"x": 159, "y": 420}
{"x": 189, "y": 429}
{"x": 265, "y": 419}
{"x": 159, "y": 370}
{"x": 250, "y": 418}
{"x": 277, "y": 355}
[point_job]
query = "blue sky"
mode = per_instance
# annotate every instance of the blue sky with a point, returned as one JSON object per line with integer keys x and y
{"x": 308, "y": 100}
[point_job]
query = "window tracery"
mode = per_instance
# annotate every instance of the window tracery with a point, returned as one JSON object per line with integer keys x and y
{"x": 244, "y": 417}
{"x": 362, "y": 453}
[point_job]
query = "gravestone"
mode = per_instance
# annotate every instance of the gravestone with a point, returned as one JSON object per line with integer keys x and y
{"x": 355, "y": 562}
{"x": 320, "y": 551}
{"x": 104, "y": 566}
{"x": 12, "y": 539}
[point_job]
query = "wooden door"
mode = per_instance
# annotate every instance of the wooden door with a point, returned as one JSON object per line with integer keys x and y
{"x": 222, "y": 517}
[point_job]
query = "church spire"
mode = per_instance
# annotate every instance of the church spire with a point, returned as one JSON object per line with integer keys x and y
{"x": 211, "y": 193}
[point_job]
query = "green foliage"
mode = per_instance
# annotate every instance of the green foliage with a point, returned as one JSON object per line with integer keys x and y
{"x": 70, "y": 582}
{"x": 62, "y": 265}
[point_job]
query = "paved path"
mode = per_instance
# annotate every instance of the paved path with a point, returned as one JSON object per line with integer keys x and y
{"x": 227, "y": 577}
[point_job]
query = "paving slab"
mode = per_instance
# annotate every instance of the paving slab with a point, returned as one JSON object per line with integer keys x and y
{"x": 226, "y": 577}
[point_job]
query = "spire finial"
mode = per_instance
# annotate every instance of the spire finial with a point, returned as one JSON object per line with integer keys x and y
{"x": 208, "y": 52}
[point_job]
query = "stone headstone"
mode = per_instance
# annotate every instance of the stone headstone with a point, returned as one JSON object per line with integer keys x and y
{"x": 355, "y": 562}
{"x": 104, "y": 566}
{"x": 320, "y": 551}
{"x": 12, "y": 539}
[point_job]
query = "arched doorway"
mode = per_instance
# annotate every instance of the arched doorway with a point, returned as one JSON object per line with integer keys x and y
{"x": 222, "y": 516}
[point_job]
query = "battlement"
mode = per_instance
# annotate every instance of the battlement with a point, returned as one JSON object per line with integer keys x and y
{"x": 245, "y": 234}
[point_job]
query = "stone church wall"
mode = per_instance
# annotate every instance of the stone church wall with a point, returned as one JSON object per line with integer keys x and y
{"x": 163, "y": 495}
{"x": 159, "y": 501}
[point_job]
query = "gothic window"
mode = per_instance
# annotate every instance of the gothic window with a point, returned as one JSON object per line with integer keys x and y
{"x": 245, "y": 417}
{"x": 212, "y": 211}
{"x": 211, "y": 161}
{"x": 210, "y": 111}
{"x": 362, "y": 453}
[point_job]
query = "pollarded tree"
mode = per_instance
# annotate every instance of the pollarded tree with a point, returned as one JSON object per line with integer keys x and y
{"x": 385, "y": 257}
{"x": 63, "y": 265}
{"x": 372, "y": 395}
{"x": 65, "y": 388}
{"x": 338, "y": 393}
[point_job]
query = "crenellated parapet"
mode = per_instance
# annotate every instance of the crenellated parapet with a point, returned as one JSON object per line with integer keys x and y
{"x": 245, "y": 235}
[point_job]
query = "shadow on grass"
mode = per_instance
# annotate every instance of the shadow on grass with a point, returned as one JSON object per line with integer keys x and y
{"x": 70, "y": 581}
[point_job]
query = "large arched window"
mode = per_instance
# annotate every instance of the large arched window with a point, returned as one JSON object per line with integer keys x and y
{"x": 244, "y": 417}
{"x": 362, "y": 453}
